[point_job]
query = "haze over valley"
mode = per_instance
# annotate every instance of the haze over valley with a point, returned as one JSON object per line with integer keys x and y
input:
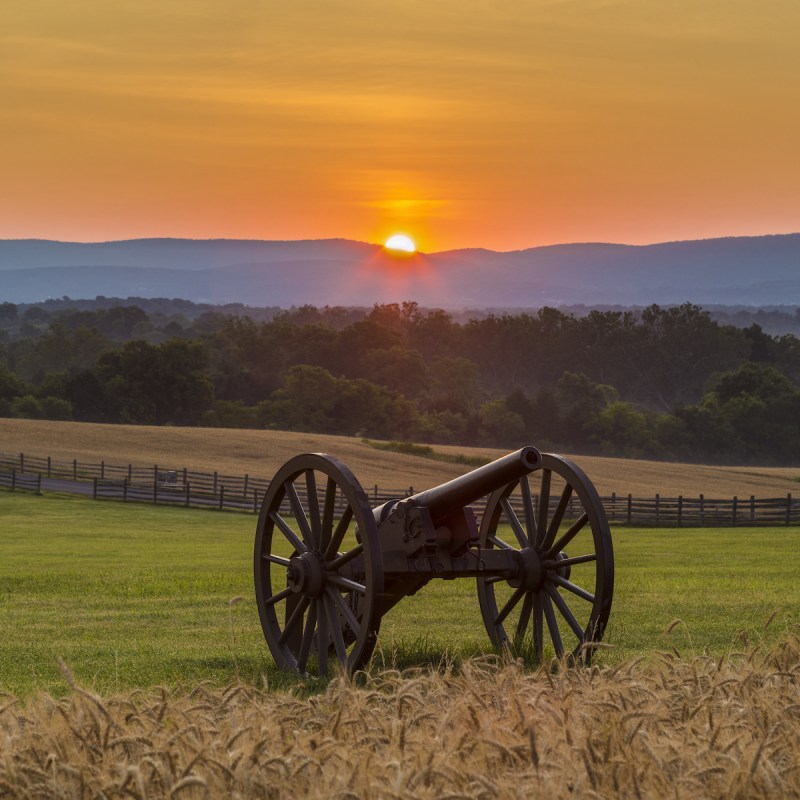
{"x": 760, "y": 271}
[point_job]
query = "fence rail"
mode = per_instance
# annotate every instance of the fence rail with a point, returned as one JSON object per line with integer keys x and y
{"x": 14, "y": 480}
{"x": 187, "y": 487}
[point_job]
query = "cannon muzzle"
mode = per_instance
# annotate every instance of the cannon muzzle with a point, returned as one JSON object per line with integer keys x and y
{"x": 449, "y": 498}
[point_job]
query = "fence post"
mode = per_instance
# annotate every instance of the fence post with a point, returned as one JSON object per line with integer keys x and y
{"x": 215, "y": 482}
{"x": 221, "y": 497}
{"x": 752, "y": 508}
{"x": 155, "y": 490}
{"x": 255, "y": 501}
{"x": 375, "y": 495}
{"x": 630, "y": 508}
{"x": 735, "y": 508}
{"x": 613, "y": 506}
{"x": 680, "y": 510}
{"x": 658, "y": 508}
{"x": 74, "y": 469}
{"x": 702, "y": 511}
{"x": 49, "y": 465}
{"x": 788, "y": 508}
{"x": 155, "y": 472}
{"x": 187, "y": 492}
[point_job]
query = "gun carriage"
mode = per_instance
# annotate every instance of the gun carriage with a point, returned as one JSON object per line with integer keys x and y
{"x": 328, "y": 566}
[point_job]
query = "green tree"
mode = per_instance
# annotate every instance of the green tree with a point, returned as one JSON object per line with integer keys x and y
{"x": 26, "y": 407}
{"x": 156, "y": 384}
{"x": 622, "y": 430}
{"x": 312, "y": 399}
{"x": 580, "y": 402}
{"x": 500, "y": 426}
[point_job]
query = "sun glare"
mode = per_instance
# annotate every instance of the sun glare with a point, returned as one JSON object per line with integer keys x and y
{"x": 400, "y": 243}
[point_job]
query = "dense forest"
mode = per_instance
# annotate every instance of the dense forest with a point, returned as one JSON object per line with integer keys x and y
{"x": 668, "y": 383}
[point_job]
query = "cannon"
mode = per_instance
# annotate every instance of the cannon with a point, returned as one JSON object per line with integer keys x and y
{"x": 328, "y": 566}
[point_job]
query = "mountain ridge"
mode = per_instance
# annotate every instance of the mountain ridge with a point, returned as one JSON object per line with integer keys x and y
{"x": 748, "y": 270}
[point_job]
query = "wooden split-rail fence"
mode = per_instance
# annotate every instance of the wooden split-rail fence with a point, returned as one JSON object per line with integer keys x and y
{"x": 186, "y": 487}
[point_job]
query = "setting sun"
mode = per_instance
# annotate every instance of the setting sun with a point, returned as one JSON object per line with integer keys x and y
{"x": 400, "y": 242}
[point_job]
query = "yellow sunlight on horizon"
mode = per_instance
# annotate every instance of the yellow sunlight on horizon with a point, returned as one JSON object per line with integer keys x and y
{"x": 401, "y": 243}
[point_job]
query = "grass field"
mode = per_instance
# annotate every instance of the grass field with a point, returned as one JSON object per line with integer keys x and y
{"x": 138, "y": 596}
{"x": 261, "y": 453}
{"x": 132, "y": 664}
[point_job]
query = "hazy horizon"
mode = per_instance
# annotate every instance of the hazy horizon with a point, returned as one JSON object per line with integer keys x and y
{"x": 380, "y": 244}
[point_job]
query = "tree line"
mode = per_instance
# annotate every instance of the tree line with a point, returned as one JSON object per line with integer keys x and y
{"x": 669, "y": 383}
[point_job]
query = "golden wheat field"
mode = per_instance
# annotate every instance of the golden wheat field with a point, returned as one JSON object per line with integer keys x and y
{"x": 685, "y": 727}
{"x": 261, "y": 453}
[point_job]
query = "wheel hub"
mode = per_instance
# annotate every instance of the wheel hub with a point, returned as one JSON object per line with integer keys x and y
{"x": 530, "y": 574}
{"x": 306, "y": 574}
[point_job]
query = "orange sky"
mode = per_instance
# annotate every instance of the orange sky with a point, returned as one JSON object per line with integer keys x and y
{"x": 501, "y": 124}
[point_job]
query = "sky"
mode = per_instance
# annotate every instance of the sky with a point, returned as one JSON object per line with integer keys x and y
{"x": 502, "y": 124}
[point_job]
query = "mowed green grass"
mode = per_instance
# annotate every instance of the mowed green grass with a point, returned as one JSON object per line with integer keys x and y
{"x": 133, "y": 596}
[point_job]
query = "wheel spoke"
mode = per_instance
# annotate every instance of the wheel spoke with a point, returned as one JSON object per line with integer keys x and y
{"x": 553, "y": 563}
{"x": 500, "y": 543}
{"x": 552, "y": 625}
{"x": 346, "y": 583}
{"x": 276, "y": 598}
{"x": 525, "y": 614}
{"x": 338, "y": 535}
{"x": 300, "y": 514}
{"x": 308, "y": 637}
{"x": 512, "y": 601}
{"x": 284, "y": 562}
{"x": 538, "y": 626}
{"x": 336, "y": 631}
{"x": 571, "y": 587}
{"x": 323, "y": 639}
{"x": 575, "y": 528}
{"x": 327, "y": 515}
{"x": 527, "y": 507}
{"x": 313, "y": 506}
{"x": 544, "y": 506}
{"x": 345, "y": 611}
{"x": 294, "y": 540}
{"x": 558, "y": 516}
{"x": 566, "y": 613}
{"x": 513, "y": 521}
{"x": 343, "y": 559}
{"x": 294, "y": 619}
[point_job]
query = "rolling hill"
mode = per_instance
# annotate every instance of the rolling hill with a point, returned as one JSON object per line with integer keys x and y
{"x": 260, "y": 453}
{"x": 761, "y": 270}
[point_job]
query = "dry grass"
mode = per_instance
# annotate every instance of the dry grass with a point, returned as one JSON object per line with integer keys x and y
{"x": 682, "y": 728}
{"x": 260, "y": 453}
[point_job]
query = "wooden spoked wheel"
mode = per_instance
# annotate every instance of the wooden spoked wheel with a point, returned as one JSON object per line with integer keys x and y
{"x": 559, "y": 602}
{"x": 317, "y": 567}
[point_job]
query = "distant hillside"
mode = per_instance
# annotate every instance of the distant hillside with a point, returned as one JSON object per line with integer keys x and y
{"x": 746, "y": 271}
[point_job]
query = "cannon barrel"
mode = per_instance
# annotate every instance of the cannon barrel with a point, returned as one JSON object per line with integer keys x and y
{"x": 449, "y": 498}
